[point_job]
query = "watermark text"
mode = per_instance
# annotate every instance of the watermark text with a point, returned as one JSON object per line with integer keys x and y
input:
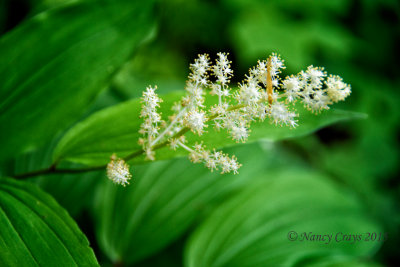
{"x": 339, "y": 237}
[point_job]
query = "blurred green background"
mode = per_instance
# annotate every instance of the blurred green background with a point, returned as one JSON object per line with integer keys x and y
{"x": 356, "y": 39}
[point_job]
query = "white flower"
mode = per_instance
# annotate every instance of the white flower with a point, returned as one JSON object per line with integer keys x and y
{"x": 336, "y": 89}
{"x": 150, "y": 102}
{"x": 222, "y": 69}
{"x": 214, "y": 161}
{"x": 291, "y": 85}
{"x": 259, "y": 72}
{"x": 276, "y": 64}
{"x": 317, "y": 102}
{"x": 211, "y": 163}
{"x": 227, "y": 164}
{"x": 249, "y": 93}
{"x": 150, "y": 98}
{"x": 196, "y": 95}
{"x": 239, "y": 133}
{"x": 195, "y": 120}
{"x": 199, "y": 69}
{"x": 174, "y": 143}
{"x": 234, "y": 165}
{"x": 261, "y": 112}
{"x": 217, "y": 110}
{"x": 280, "y": 114}
{"x": 315, "y": 75}
{"x": 118, "y": 171}
{"x": 195, "y": 157}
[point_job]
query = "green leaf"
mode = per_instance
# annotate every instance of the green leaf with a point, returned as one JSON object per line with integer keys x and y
{"x": 163, "y": 200}
{"x": 36, "y": 231}
{"x": 115, "y": 129}
{"x": 55, "y": 63}
{"x": 73, "y": 192}
{"x": 253, "y": 228}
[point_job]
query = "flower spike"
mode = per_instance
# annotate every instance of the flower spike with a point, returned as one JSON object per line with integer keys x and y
{"x": 263, "y": 94}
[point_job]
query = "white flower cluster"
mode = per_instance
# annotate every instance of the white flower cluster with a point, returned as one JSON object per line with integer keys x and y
{"x": 315, "y": 92}
{"x": 263, "y": 94}
{"x": 118, "y": 171}
{"x": 152, "y": 120}
{"x": 215, "y": 160}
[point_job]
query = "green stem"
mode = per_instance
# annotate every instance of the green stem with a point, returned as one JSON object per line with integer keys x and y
{"x": 53, "y": 168}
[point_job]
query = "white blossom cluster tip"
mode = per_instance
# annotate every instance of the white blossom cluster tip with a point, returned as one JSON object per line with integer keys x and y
{"x": 118, "y": 171}
{"x": 263, "y": 94}
{"x": 152, "y": 120}
{"x": 215, "y": 160}
{"x": 315, "y": 91}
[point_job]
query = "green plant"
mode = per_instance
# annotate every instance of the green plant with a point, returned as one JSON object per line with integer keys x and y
{"x": 71, "y": 97}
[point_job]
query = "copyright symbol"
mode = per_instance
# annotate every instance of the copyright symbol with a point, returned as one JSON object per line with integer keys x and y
{"x": 292, "y": 236}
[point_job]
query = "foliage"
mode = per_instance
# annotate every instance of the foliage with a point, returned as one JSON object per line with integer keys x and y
{"x": 72, "y": 73}
{"x": 37, "y": 231}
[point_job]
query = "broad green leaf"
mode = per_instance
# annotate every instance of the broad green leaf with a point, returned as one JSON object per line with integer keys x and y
{"x": 55, "y": 63}
{"x": 73, "y": 192}
{"x": 36, "y": 231}
{"x": 163, "y": 200}
{"x": 254, "y": 227}
{"x": 115, "y": 129}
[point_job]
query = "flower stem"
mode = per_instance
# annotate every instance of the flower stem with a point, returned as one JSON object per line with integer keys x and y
{"x": 270, "y": 89}
{"x": 169, "y": 127}
{"x": 53, "y": 168}
{"x": 185, "y": 147}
